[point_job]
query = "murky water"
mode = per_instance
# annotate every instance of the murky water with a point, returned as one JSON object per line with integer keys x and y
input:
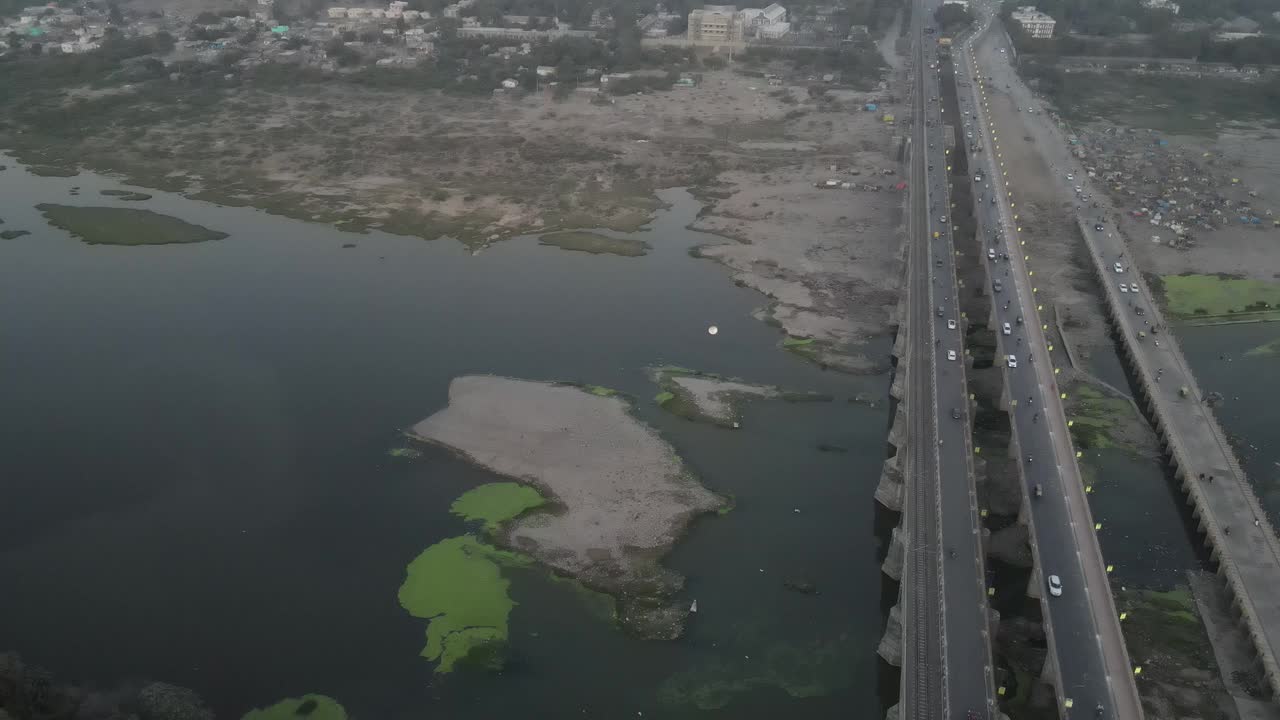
{"x": 1146, "y": 528}
{"x": 1250, "y": 386}
{"x": 197, "y": 488}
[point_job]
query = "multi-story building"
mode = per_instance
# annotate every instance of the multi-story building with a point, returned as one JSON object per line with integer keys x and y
{"x": 715, "y": 23}
{"x": 1034, "y": 23}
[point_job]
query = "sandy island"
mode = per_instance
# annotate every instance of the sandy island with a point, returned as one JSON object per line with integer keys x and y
{"x": 622, "y": 494}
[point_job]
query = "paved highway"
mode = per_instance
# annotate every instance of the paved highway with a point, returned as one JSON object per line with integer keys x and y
{"x": 950, "y": 675}
{"x": 1240, "y": 530}
{"x": 1094, "y": 675}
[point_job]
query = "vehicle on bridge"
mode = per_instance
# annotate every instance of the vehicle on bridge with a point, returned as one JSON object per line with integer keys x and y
{"x": 1055, "y": 586}
{"x": 1012, "y": 360}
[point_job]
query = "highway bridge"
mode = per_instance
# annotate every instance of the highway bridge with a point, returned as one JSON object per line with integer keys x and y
{"x": 1241, "y": 539}
{"x": 1088, "y": 663}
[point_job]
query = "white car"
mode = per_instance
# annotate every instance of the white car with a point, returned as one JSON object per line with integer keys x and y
{"x": 951, "y": 354}
{"x": 943, "y": 219}
{"x": 1070, "y": 176}
{"x": 1006, "y": 329}
{"x": 1013, "y": 361}
{"x": 1133, "y": 287}
{"x": 1119, "y": 268}
{"x": 991, "y": 254}
{"x": 1055, "y": 586}
{"x": 951, "y": 324}
{"x": 1124, "y": 288}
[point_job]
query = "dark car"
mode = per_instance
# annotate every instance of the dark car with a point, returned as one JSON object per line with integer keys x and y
{"x": 955, "y": 413}
{"x": 1098, "y": 227}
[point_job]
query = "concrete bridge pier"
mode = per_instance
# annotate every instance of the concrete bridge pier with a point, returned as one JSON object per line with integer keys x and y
{"x": 890, "y": 649}
{"x": 896, "y": 558}
{"x": 891, "y": 490}
{"x": 1049, "y": 675}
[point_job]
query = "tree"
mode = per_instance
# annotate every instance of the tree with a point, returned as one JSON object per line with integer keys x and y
{"x": 952, "y": 16}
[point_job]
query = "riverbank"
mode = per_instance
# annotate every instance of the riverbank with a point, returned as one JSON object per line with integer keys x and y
{"x": 621, "y": 495}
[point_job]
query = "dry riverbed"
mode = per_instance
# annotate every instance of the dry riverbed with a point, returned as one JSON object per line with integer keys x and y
{"x": 418, "y": 162}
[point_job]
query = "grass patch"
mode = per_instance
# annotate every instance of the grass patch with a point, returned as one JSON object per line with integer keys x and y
{"x": 589, "y": 242}
{"x": 406, "y": 453}
{"x": 1174, "y": 105}
{"x": 1198, "y": 296}
{"x": 124, "y": 226}
{"x": 1165, "y": 634}
{"x": 52, "y": 171}
{"x": 11, "y": 234}
{"x": 601, "y": 390}
{"x": 664, "y": 397}
{"x": 307, "y": 707}
{"x": 126, "y": 195}
{"x": 495, "y": 503}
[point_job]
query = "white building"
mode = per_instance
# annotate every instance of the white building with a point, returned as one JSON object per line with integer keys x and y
{"x": 337, "y": 13}
{"x": 1169, "y": 5}
{"x": 1034, "y": 23}
{"x": 545, "y": 71}
{"x": 773, "y": 31}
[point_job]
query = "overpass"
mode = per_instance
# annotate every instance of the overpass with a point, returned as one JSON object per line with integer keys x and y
{"x": 1238, "y": 533}
{"x": 938, "y": 633}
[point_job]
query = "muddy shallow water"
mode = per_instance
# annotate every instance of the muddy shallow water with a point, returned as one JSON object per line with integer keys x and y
{"x": 198, "y": 487}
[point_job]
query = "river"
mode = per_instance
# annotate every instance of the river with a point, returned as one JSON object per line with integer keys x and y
{"x": 197, "y": 486}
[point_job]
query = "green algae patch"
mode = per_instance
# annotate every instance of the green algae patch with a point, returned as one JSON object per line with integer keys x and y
{"x": 307, "y": 707}
{"x": 495, "y": 503}
{"x": 458, "y": 587}
{"x": 1220, "y": 297}
{"x": 601, "y": 390}
{"x": 1096, "y": 419}
{"x": 405, "y": 453}
{"x": 664, "y": 397}
{"x": 124, "y": 226}
{"x": 800, "y": 672}
{"x": 804, "y": 347}
{"x": 1271, "y": 349}
{"x": 1164, "y": 631}
{"x": 595, "y": 244}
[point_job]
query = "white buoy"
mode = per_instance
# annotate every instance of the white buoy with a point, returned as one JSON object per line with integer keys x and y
{"x": 694, "y": 607}
{"x": 713, "y": 330}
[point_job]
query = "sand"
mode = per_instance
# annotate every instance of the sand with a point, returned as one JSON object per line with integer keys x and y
{"x": 715, "y": 398}
{"x": 623, "y": 495}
